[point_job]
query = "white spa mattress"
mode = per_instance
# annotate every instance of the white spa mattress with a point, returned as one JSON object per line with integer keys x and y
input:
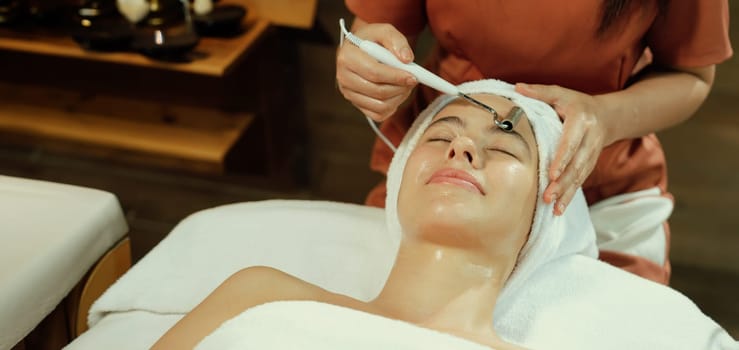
{"x": 51, "y": 235}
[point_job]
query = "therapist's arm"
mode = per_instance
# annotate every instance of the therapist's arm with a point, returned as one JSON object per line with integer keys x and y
{"x": 656, "y": 102}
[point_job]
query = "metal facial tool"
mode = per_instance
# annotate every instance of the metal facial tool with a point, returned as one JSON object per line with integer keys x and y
{"x": 427, "y": 78}
{"x": 511, "y": 119}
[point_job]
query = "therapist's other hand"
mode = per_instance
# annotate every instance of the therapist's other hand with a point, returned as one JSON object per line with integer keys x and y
{"x": 376, "y": 89}
{"x": 583, "y": 138}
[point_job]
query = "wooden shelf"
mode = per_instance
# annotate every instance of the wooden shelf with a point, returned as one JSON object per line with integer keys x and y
{"x": 212, "y": 56}
{"x": 173, "y": 127}
{"x": 199, "y": 136}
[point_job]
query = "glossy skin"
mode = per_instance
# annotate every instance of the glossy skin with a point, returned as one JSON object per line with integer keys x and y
{"x": 461, "y": 237}
{"x": 656, "y": 101}
{"x": 466, "y": 173}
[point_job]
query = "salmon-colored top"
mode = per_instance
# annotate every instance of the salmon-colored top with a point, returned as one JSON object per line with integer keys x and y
{"x": 556, "y": 42}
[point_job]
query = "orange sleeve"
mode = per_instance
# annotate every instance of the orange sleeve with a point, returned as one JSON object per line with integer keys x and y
{"x": 409, "y": 16}
{"x": 691, "y": 33}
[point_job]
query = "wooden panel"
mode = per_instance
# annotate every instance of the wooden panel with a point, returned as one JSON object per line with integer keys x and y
{"x": 291, "y": 13}
{"x": 212, "y": 56}
{"x": 200, "y": 135}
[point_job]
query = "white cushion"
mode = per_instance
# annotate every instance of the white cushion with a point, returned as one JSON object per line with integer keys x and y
{"x": 51, "y": 235}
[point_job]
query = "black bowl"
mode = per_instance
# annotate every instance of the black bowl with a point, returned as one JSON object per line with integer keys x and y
{"x": 113, "y": 34}
{"x": 163, "y": 43}
{"x": 223, "y": 20}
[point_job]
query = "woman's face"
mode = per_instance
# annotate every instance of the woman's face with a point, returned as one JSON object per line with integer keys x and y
{"x": 468, "y": 183}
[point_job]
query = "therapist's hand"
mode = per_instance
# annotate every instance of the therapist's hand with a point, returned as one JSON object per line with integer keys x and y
{"x": 583, "y": 138}
{"x": 374, "y": 88}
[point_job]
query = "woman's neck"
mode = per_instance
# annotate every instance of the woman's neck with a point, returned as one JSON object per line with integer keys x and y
{"x": 444, "y": 288}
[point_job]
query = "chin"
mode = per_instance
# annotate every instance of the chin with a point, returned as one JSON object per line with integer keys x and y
{"x": 446, "y": 215}
{"x": 455, "y": 202}
{"x": 444, "y": 210}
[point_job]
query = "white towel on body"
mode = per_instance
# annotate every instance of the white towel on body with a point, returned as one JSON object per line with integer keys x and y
{"x": 309, "y": 325}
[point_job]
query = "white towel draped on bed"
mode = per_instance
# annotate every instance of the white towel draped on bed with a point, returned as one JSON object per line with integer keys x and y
{"x": 633, "y": 223}
{"x": 341, "y": 247}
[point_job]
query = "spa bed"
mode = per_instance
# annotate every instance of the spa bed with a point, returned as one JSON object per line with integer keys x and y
{"x": 347, "y": 249}
{"x": 53, "y": 239}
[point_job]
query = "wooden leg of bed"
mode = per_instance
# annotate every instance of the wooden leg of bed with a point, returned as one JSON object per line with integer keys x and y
{"x": 107, "y": 270}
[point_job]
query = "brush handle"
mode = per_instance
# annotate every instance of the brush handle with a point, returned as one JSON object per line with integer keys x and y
{"x": 422, "y": 74}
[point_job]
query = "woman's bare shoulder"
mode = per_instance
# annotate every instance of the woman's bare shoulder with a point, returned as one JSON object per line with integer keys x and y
{"x": 239, "y": 292}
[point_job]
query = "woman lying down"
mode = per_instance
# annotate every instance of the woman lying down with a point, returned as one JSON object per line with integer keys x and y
{"x": 482, "y": 261}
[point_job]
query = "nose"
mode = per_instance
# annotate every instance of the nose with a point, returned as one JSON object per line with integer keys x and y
{"x": 464, "y": 148}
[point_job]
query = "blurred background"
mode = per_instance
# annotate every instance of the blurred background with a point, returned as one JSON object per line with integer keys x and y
{"x": 300, "y": 139}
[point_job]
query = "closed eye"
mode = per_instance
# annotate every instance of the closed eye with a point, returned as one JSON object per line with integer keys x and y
{"x": 439, "y": 139}
{"x": 502, "y": 151}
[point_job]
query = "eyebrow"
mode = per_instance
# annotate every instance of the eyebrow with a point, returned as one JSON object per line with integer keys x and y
{"x": 493, "y": 128}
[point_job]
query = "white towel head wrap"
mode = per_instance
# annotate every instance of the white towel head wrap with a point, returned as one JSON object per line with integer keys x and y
{"x": 551, "y": 236}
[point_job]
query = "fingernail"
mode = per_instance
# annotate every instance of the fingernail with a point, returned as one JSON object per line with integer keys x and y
{"x": 561, "y": 207}
{"x": 407, "y": 54}
{"x": 410, "y": 81}
{"x": 556, "y": 174}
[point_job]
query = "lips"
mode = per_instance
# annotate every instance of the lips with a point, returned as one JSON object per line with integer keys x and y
{"x": 457, "y": 177}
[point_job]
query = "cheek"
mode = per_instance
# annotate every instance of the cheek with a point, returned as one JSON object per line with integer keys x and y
{"x": 515, "y": 176}
{"x": 413, "y": 178}
{"x": 420, "y": 206}
{"x": 517, "y": 184}
{"x": 417, "y": 171}
{"x": 513, "y": 201}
